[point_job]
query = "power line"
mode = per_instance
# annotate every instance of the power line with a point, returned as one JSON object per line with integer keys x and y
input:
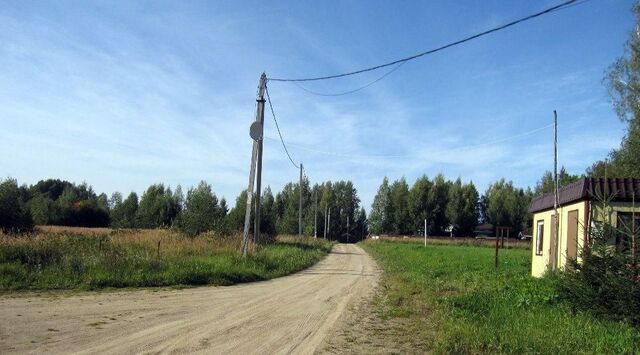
{"x": 353, "y": 90}
{"x": 278, "y": 128}
{"x": 414, "y": 156}
{"x": 431, "y": 51}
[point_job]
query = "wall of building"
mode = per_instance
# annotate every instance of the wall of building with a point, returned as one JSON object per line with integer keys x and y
{"x": 540, "y": 263}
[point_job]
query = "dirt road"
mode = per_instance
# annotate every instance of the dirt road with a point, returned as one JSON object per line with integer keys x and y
{"x": 292, "y": 314}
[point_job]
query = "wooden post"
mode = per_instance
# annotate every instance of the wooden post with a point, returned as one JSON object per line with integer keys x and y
{"x": 496, "y": 257}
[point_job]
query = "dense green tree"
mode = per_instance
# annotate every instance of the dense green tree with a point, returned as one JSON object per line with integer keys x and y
{"x": 419, "y": 204}
{"x": 124, "y": 213}
{"x": 201, "y": 211}
{"x": 14, "y": 215}
{"x": 235, "y": 217}
{"x": 462, "y": 207}
{"x": 546, "y": 183}
{"x": 508, "y": 206}
{"x": 623, "y": 81}
{"x": 380, "y": 220}
{"x": 438, "y": 200}
{"x": 157, "y": 207}
{"x": 400, "y": 206}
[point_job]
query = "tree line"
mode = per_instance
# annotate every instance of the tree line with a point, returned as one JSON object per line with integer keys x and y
{"x": 447, "y": 205}
{"x": 59, "y": 202}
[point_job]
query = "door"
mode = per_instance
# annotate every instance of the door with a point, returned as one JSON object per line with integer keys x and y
{"x": 572, "y": 235}
{"x": 553, "y": 245}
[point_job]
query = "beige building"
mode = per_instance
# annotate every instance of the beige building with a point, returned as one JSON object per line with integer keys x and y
{"x": 580, "y": 206}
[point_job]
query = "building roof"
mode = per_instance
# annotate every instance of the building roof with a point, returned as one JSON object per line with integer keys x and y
{"x": 588, "y": 188}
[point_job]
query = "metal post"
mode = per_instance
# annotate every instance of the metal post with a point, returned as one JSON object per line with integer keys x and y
{"x": 425, "y": 232}
{"x": 315, "y": 216}
{"x": 254, "y": 157}
{"x": 300, "y": 207}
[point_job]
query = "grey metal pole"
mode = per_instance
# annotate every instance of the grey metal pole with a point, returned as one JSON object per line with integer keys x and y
{"x": 252, "y": 169}
{"x": 315, "y": 216}
{"x": 300, "y": 206}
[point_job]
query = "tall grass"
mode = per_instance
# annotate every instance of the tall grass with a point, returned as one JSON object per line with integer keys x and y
{"x": 142, "y": 259}
{"x": 451, "y": 299}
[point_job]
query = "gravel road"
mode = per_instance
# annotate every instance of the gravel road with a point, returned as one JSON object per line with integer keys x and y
{"x": 292, "y": 314}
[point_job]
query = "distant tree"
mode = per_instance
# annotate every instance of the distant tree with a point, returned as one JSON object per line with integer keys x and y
{"x": 381, "y": 218}
{"x": 41, "y": 208}
{"x": 438, "y": 200}
{"x": 360, "y": 229}
{"x": 419, "y": 204}
{"x": 462, "y": 207}
{"x": 157, "y": 207}
{"x": 508, "y": 206}
{"x": 124, "y": 213}
{"x": 268, "y": 213}
{"x": 201, "y": 212}
{"x": 235, "y": 217}
{"x": 400, "y": 207}
{"x": 14, "y": 215}
{"x": 546, "y": 183}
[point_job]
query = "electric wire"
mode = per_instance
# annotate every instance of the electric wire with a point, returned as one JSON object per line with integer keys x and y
{"x": 560, "y": 6}
{"x": 415, "y": 156}
{"x": 353, "y": 90}
{"x": 278, "y": 128}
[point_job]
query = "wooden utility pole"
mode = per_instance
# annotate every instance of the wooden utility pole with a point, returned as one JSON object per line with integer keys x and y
{"x": 256, "y": 155}
{"x": 300, "y": 206}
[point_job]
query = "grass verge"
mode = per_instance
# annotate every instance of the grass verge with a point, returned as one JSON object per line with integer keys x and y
{"x": 143, "y": 259}
{"x": 450, "y": 299}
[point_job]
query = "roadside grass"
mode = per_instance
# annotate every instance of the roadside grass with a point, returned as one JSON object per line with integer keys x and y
{"x": 145, "y": 258}
{"x": 450, "y": 299}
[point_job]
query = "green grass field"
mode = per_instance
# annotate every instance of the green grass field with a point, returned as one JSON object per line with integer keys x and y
{"x": 143, "y": 259}
{"x": 451, "y": 299}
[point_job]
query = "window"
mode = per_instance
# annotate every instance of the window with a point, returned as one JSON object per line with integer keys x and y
{"x": 627, "y": 226}
{"x": 539, "y": 237}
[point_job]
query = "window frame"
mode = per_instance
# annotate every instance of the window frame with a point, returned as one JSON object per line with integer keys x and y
{"x": 539, "y": 246}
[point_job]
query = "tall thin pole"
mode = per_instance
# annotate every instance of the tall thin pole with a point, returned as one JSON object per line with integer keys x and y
{"x": 347, "y": 228}
{"x": 555, "y": 181}
{"x": 315, "y": 216}
{"x": 425, "y": 232}
{"x": 300, "y": 206}
{"x": 326, "y": 214}
{"x": 258, "y": 218}
{"x": 254, "y": 157}
{"x": 329, "y": 222}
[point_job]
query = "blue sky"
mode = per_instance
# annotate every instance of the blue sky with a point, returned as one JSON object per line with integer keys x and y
{"x": 124, "y": 94}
